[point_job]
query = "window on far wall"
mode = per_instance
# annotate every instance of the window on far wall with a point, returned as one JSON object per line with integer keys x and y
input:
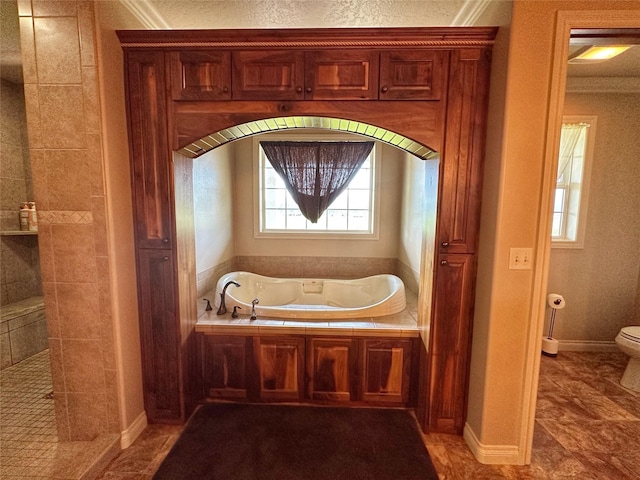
{"x": 572, "y": 181}
{"x": 351, "y": 215}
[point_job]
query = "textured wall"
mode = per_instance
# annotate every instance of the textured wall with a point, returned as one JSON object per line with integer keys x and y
{"x": 600, "y": 281}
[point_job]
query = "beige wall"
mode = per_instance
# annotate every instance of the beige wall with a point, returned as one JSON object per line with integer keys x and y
{"x": 412, "y": 219}
{"x": 600, "y": 281}
{"x": 508, "y": 319}
{"x": 384, "y": 247}
{"x": 213, "y": 200}
{"x": 124, "y": 306}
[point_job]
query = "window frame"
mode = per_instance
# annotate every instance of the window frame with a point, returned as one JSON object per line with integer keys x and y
{"x": 578, "y": 242}
{"x": 258, "y": 190}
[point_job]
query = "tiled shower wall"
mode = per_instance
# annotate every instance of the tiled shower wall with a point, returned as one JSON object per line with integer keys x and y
{"x": 63, "y": 120}
{"x": 20, "y": 277}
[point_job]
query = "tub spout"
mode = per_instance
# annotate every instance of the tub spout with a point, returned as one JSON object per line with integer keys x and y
{"x": 253, "y": 309}
{"x": 223, "y": 307}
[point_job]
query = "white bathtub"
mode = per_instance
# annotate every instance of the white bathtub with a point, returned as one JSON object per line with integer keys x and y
{"x": 313, "y": 298}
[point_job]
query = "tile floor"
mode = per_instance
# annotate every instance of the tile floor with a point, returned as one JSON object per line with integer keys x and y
{"x": 29, "y": 447}
{"x": 587, "y": 427}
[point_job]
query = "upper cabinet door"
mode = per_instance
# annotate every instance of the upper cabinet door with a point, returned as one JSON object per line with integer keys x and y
{"x": 274, "y": 75}
{"x": 461, "y": 192}
{"x": 150, "y": 157}
{"x": 413, "y": 74}
{"x": 200, "y": 75}
{"x": 341, "y": 75}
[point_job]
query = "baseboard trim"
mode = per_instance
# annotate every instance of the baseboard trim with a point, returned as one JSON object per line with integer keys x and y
{"x": 491, "y": 454}
{"x": 586, "y": 346}
{"x": 128, "y": 436}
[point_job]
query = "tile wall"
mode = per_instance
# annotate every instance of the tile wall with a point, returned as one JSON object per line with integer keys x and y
{"x": 62, "y": 106}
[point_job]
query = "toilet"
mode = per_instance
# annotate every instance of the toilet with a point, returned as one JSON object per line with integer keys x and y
{"x": 628, "y": 341}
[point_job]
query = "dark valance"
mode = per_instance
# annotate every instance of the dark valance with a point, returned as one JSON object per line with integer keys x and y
{"x": 316, "y": 173}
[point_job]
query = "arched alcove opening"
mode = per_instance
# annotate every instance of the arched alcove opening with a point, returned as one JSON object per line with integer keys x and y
{"x": 224, "y": 182}
{"x": 256, "y": 127}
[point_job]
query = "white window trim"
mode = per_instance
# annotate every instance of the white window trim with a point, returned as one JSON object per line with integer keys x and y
{"x": 314, "y": 234}
{"x": 578, "y": 243}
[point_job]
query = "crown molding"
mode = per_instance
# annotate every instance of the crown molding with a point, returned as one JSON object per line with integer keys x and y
{"x": 603, "y": 84}
{"x": 144, "y": 11}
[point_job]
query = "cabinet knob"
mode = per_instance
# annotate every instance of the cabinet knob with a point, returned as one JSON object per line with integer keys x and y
{"x": 165, "y": 240}
{"x": 384, "y": 89}
{"x": 165, "y": 258}
{"x": 298, "y": 89}
{"x": 443, "y": 262}
{"x": 225, "y": 89}
{"x": 445, "y": 244}
{"x": 308, "y": 89}
{"x": 282, "y": 107}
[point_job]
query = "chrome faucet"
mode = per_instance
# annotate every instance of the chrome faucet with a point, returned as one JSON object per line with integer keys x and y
{"x": 223, "y": 307}
{"x": 254, "y": 302}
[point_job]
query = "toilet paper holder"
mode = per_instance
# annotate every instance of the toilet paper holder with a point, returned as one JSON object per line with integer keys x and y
{"x": 549, "y": 344}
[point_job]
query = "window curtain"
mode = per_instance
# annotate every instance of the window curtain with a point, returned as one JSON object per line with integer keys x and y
{"x": 568, "y": 140}
{"x": 316, "y": 173}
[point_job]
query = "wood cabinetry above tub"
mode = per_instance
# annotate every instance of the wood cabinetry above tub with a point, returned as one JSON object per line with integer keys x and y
{"x": 427, "y": 85}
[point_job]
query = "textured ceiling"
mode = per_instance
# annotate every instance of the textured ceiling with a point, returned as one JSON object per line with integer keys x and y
{"x": 200, "y": 14}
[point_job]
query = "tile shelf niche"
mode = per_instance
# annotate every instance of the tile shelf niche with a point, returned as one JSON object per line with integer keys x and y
{"x": 16, "y": 233}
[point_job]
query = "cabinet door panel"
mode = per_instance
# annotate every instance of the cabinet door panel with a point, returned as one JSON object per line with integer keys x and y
{"x": 463, "y": 151}
{"x": 150, "y": 156}
{"x": 159, "y": 335}
{"x": 413, "y": 75}
{"x": 341, "y": 75}
{"x": 450, "y": 342}
{"x": 224, "y": 366}
{"x": 275, "y": 75}
{"x": 331, "y": 368}
{"x": 280, "y": 363}
{"x": 200, "y": 75}
{"x": 387, "y": 369}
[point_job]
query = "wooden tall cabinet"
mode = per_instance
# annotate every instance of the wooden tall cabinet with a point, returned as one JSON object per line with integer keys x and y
{"x": 429, "y": 85}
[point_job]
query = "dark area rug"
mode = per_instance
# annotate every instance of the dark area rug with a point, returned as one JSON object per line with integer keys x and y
{"x": 284, "y": 442}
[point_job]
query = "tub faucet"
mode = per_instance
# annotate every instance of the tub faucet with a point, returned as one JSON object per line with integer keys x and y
{"x": 223, "y": 307}
{"x": 254, "y": 302}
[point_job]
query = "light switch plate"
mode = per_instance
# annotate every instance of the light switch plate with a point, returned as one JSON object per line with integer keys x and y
{"x": 520, "y": 258}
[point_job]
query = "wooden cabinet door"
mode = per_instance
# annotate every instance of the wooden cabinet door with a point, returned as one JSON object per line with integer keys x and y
{"x": 279, "y": 365}
{"x": 224, "y": 366}
{"x": 332, "y": 365}
{"x": 152, "y": 178}
{"x": 200, "y": 75}
{"x": 341, "y": 75}
{"x": 461, "y": 193}
{"x": 274, "y": 75}
{"x": 413, "y": 74}
{"x": 386, "y": 371}
{"x": 450, "y": 341}
{"x": 159, "y": 334}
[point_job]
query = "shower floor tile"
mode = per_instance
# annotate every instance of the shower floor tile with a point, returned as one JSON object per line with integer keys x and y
{"x": 29, "y": 447}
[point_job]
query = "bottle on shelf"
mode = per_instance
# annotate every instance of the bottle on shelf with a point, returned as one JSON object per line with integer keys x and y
{"x": 33, "y": 217}
{"x": 24, "y": 216}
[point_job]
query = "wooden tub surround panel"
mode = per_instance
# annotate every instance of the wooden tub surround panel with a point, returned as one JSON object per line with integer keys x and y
{"x": 427, "y": 84}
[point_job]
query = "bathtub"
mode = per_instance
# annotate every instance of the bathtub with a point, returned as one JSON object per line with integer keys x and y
{"x": 313, "y": 298}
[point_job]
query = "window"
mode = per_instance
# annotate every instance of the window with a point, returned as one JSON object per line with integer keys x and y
{"x": 353, "y": 213}
{"x": 572, "y": 181}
